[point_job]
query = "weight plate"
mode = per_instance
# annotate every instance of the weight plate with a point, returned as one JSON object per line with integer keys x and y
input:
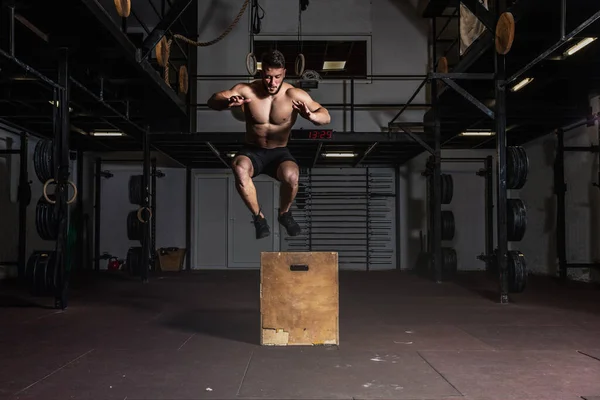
{"x": 517, "y": 271}
{"x": 517, "y": 167}
{"x": 447, "y": 188}
{"x": 135, "y": 189}
{"x": 448, "y": 226}
{"x": 516, "y": 219}
{"x": 133, "y": 226}
{"x": 449, "y": 263}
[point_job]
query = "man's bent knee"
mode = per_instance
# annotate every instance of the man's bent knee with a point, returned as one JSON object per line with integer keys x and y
{"x": 289, "y": 173}
{"x": 242, "y": 169}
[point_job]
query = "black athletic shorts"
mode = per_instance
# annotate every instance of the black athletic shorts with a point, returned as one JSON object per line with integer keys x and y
{"x": 266, "y": 161}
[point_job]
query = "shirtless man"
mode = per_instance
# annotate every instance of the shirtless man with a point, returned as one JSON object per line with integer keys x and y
{"x": 271, "y": 107}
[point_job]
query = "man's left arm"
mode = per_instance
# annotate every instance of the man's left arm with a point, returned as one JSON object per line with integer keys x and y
{"x": 308, "y": 108}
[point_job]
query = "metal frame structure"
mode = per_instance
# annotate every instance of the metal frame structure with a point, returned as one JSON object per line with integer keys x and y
{"x": 24, "y": 199}
{"x": 560, "y": 190}
{"x": 498, "y": 115}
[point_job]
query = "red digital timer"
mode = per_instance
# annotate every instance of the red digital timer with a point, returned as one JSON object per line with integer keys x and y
{"x": 320, "y": 134}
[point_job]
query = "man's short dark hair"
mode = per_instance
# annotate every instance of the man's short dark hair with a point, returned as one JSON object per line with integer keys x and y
{"x": 273, "y": 59}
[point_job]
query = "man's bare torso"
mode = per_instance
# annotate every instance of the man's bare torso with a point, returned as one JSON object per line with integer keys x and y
{"x": 269, "y": 119}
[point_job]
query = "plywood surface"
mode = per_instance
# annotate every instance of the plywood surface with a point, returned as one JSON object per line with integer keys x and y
{"x": 299, "y": 307}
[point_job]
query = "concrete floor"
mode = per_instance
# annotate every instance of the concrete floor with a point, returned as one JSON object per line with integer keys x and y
{"x": 196, "y": 336}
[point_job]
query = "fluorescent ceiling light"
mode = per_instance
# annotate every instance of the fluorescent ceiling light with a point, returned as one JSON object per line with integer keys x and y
{"x": 230, "y": 155}
{"x": 107, "y": 133}
{"x": 57, "y": 103}
{"x": 521, "y": 84}
{"x": 334, "y": 65}
{"x": 477, "y": 133}
{"x": 340, "y": 155}
{"x": 582, "y": 43}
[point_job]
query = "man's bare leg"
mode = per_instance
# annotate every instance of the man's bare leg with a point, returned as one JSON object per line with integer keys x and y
{"x": 288, "y": 173}
{"x": 243, "y": 171}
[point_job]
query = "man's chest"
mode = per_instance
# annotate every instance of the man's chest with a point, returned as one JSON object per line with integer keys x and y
{"x": 274, "y": 111}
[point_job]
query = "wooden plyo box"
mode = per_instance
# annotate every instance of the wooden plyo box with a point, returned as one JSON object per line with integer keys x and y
{"x": 299, "y": 298}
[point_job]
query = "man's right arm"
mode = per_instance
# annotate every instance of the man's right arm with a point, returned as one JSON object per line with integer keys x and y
{"x": 221, "y": 100}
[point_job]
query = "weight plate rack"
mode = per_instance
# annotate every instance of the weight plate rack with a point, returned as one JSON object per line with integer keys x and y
{"x": 516, "y": 174}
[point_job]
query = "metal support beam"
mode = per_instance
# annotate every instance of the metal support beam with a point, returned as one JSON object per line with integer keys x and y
{"x": 12, "y": 30}
{"x": 97, "y": 208}
{"x": 188, "y": 217}
{"x": 489, "y": 210}
{"x": 501, "y": 192}
{"x": 317, "y": 154}
{"x": 30, "y": 70}
{"x": 153, "y": 220}
{"x": 24, "y": 190}
{"x": 365, "y": 154}
{"x": 469, "y": 97}
{"x": 436, "y": 178}
{"x": 423, "y": 82}
{"x": 553, "y": 48}
{"x": 418, "y": 140}
{"x": 463, "y": 75}
{"x": 62, "y": 177}
{"x": 240, "y": 137}
{"x": 560, "y": 190}
{"x": 145, "y": 261}
{"x": 217, "y": 154}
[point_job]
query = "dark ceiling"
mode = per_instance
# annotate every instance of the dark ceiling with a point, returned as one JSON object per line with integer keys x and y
{"x": 111, "y": 89}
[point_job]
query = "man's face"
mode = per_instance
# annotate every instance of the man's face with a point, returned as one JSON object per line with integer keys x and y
{"x": 272, "y": 79}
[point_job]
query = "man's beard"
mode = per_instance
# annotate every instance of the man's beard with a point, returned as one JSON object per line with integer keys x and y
{"x": 269, "y": 92}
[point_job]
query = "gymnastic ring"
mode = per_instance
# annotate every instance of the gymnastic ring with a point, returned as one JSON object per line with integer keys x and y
{"x": 139, "y": 214}
{"x": 251, "y": 64}
{"x": 300, "y": 64}
{"x": 45, "y": 191}
{"x": 123, "y": 8}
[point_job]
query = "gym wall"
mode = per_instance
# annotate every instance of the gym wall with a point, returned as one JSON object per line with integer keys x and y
{"x": 334, "y": 219}
{"x": 468, "y": 206}
{"x": 334, "y": 19}
{"x": 9, "y": 182}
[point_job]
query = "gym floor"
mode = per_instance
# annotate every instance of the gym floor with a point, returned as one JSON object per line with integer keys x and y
{"x": 196, "y": 336}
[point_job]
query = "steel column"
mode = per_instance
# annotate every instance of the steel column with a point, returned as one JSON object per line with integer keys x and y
{"x": 97, "y": 208}
{"x": 489, "y": 211}
{"x": 560, "y": 190}
{"x": 188, "y": 217}
{"x": 79, "y": 213}
{"x": 500, "y": 114}
{"x": 145, "y": 262}
{"x": 437, "y": 173}
{"x": 12, "y": 30}
{"x": 153, "y": 220}
{"x": 62, "y": 175}
{"x": 24, "y": 190}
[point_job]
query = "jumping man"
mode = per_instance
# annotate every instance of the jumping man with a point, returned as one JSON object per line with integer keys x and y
{"x": 271, "y": 107}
